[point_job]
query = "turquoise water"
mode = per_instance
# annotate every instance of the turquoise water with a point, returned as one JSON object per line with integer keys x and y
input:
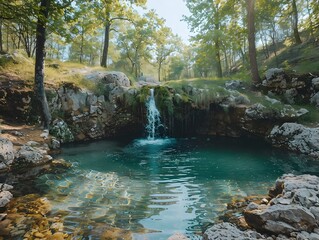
{"x": 161, "y": 187}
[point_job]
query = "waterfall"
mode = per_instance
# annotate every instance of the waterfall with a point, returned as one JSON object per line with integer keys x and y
{"x": 153, "y": 117}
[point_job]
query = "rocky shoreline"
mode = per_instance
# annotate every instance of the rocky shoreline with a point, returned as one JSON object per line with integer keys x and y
{"x": 290, "y": 211}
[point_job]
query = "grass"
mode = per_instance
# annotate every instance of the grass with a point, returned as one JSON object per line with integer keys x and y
{"x": 69, "y": 72}
{"x": 303, "y": 58}
{"x": 310, "y": 119}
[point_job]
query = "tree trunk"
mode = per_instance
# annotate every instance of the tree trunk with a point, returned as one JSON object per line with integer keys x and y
{"x": 226, "y": 62}
{"x": 1, "y": 41}
{"x": 106, "y": 44}
{"x": 251, "y": 41}
{"x": 159, "y": 71}
{"x": 295, "y": 22}
{"x": 39, "y": 62}
{"x": 81, "y": 47}
{"x": 217, "y": 59}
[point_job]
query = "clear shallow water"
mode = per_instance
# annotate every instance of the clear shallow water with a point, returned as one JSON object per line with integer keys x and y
{"x": 160, "y": 187}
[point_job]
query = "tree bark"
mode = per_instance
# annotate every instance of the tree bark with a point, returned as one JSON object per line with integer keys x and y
{"x": 1, "y": 40}
{"x": 217, "y": 59}
{"x": 39, "y": 63}
{"x": 295, "y": 22}
{"x": 82, "y": 45}
{"x": 251, "y": 41}
{"x": 106, "y": 44}
{"x": 159, "y": 71}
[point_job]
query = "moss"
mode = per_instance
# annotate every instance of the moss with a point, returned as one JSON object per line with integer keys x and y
{"x": 164, "y": 99}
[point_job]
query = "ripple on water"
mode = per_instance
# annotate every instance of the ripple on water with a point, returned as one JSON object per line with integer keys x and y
{"x": 166, "y": 185}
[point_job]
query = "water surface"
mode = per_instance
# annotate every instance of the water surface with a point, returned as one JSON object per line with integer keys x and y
{"x": 160, "y": 187}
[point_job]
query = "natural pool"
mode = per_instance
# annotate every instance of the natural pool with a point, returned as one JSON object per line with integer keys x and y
{"x": 161, "y": 187}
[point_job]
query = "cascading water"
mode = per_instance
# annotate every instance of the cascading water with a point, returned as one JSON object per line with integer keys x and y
{"x": 153, "y": 117}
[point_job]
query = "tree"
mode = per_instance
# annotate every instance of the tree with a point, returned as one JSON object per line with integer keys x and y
{"x": 251, "y": 41}
{"x": 110, "y": 11}
{"x": 209, "y": 19}
{"x": 176, "y": 67}
{"x": 165, "y": 44}
{"x": 295, "y": 22}
{"x": 39, "y": 62}
{"x": 138, "y": 41}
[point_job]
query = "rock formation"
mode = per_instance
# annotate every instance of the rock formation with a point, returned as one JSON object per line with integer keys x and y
{"x": 292, "y": 213}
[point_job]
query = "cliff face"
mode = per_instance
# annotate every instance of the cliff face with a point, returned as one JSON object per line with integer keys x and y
{"x": 118, "y": 109}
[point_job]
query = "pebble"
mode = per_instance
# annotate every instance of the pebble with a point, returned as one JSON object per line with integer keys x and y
{"x": 3, "y": 216}
{"x": 38, "y": 235}
{"x": 57, "y": 236}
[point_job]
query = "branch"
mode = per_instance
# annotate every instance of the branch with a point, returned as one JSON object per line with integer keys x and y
{"x": 122, "y": 18}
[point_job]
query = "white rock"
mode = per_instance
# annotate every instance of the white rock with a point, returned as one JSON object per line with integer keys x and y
{"x": 272, "y": 72}
{"x": 296, "y": 137}
{"x": 315, "y": 99}
{"x": 5, "y": 197}
{"x": 6, "y": 153}
{"x": 315, "y": 83}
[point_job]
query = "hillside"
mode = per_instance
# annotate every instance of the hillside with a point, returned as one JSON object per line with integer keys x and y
{"x": 303, "y": 58}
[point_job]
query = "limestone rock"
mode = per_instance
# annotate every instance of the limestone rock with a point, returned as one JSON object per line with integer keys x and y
{"x": 5, "y": 187}
{"x": 61, "y": 131}
{"x": 6, "y": 153}
{"x": 272, "y": 72}
{"x": 296, "y": 137}
{"x": 233, "y": 84}
{"x": 315, "y": 99}
{"x": 315, "y": 83}
{"x": 117, "y": 78}
{"x": 30, "y": 154}
{"x": 226, "y": 231}
{"x": 5, "y": 197}
{"x": 72, "y": 98}
{"x": 271, "y": 100}
{"x": 280, "y": 218}
{"x": 256, "y": 111}
{"x": 55, "y": 143}
{"x": 290, "y": 95}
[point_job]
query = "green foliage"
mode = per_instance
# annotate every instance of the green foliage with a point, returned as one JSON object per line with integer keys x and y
{"x": 164, "y": 99}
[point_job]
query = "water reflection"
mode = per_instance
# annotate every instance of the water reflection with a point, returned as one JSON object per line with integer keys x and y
{"x": 162, "y": 187}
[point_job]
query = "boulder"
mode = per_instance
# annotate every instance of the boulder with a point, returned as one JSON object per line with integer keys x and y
{"x": 315, "y": 99}
{"x": 315, "y": 83}
{"x": 226, "y": 231}
{"x": 293, "y": 209}
{"x": 233, "y": 84}
{"x": 61, "y": 131}
{"x": 281, "y": 219}
{"x": 296, "y": 137}
{"x": 30, "y": 154}
{"x": 5, "y": 197}
{"x": 290, "y": 95}
{"x": 273, "y": 72}
{"x": 72, "y": 98}
{"x": 6, "y": 153}
{"x": 116, "y": 78}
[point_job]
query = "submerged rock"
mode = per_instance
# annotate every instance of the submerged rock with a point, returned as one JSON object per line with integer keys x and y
{"x": 296, "y": 137}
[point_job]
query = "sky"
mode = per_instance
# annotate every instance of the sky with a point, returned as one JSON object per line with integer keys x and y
{"x": 172, "y": 11}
